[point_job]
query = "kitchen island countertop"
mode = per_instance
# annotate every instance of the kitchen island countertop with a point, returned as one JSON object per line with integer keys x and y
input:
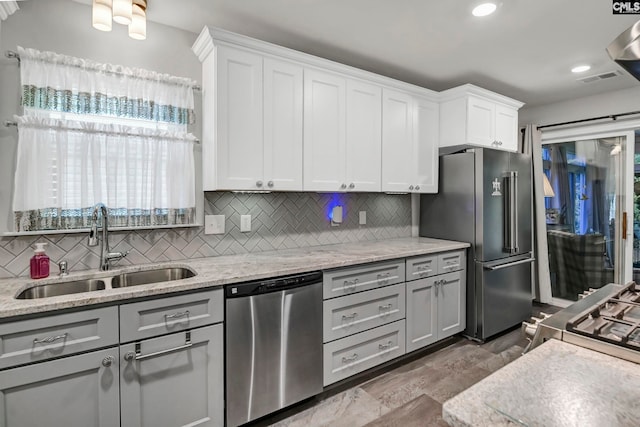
{"x": 556, "y": 384}
{"x": 219, "y": 271}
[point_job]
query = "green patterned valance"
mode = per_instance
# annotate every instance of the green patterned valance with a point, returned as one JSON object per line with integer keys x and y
{"x": 67, "y": 101}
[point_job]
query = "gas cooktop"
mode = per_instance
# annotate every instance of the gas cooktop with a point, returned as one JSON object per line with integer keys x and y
{"x": 605, "y": 320}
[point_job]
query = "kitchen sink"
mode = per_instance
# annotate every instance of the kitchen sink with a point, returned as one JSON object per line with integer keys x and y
{"x": 62, "y": 288}
{"x": 150, "y": 276}
{"x": 121, "y": 280}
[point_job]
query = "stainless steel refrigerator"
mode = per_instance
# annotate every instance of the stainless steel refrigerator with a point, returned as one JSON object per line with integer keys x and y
{"x": 485, "y": 199}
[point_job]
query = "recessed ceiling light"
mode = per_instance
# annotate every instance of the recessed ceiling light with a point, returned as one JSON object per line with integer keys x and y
{"x": 484, "y": 9}
{"x": 580, "y": 68}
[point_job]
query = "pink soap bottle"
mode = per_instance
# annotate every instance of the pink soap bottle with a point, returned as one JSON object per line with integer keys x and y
{"x": 39, "y": 263}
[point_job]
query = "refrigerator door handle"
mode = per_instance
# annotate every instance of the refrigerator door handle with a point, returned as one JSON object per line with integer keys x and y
{"x": 510, "y": 264}
{"x": 514, "y": 211}
{"x": 510, "y": 231}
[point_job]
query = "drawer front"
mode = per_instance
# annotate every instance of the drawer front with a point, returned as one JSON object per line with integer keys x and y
{"x": 346, "y": 281}
{"x": 42, "y": 338}
{"x": 422, "y": 266}
{"x": 451, "y": 261}
{"x": 365, "y": 310}
{"x": 359, "y": 352}
{"x": 162, "y": 316}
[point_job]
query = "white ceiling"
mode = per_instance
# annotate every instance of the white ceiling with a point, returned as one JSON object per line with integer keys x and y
{"x": 525, "y": 50}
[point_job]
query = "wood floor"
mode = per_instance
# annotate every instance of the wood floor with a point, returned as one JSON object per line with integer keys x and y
{"x": 411, "y": 394}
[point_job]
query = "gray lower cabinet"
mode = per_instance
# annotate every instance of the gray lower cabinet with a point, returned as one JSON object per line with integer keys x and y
{"x": 174, "y": 380}
{"x": 79, "y": 390}
{"x": 435, "y": 308}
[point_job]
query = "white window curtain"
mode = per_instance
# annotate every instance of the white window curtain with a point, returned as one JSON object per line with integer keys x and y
{"x": 121, "y": 140}
{"x": 532, "y": 145}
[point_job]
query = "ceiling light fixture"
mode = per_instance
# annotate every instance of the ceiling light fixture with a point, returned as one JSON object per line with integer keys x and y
{"x": 484, "y": 9}
{"x": 580, "y": 68}
{"x": 127, "y": 12}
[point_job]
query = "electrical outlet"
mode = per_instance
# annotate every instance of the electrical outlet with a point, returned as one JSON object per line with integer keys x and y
{"x": 245, "y": 223}
{"x": 214, "y": 224}
{"x": 363, "y": 217}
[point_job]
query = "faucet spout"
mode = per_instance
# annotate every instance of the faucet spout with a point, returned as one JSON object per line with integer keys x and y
{"x": 105, "y": 251}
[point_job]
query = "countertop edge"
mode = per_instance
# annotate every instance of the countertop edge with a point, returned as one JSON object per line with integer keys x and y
{"x": 213, "y": 272}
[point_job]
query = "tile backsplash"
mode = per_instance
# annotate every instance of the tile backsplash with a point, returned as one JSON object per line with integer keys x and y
{"x": 278, "y": 221}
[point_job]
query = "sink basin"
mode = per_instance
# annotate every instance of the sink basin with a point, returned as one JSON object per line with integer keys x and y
{"x": 62, "y": 288}
{"x": 150, "y": 276}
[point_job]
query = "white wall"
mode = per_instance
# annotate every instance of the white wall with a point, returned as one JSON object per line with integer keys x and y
{"x": 64, "y": 26}
{"x": 621, "y": 101}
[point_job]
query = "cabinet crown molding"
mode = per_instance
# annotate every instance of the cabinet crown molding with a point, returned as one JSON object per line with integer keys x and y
{"x": 469, "y": 89}
{"x": 211, "y": 36}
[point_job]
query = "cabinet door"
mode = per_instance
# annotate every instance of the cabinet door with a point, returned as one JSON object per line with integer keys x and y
{"x": 422, "y": 313}
{"x": 506, "y": 128}
{"x": 480, "y": 121}
{"x": 282, "y": 125}
{"x": 451, "y": 303}
{"x": 364, "y": 136}
{"x": 177, "y": 380}
{"x": 398, "y": 172}
{"x": 73, "y": 391}
{"x": 239, "y": 120}
{"x": 324, "y": 131}
{"x": 426, "y": 125}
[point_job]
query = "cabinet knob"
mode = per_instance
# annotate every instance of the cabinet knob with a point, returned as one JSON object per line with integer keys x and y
{"x": 343, "y": 186}
{"x": 417, "y": 187}
{"x": 258, "y": 183}
{"x": 270, "y": 184}
{"x": 411, "y": 187}
{"x": 352, "y": 185}
{"x": 107, "y": 361}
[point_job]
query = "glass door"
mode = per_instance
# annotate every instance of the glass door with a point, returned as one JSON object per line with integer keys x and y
{"x": 583, "y": 182}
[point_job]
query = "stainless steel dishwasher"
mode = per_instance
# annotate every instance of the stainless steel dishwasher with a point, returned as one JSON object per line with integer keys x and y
{"x": 273, "y": 336}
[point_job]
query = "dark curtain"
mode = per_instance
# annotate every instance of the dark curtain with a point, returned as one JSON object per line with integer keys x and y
{"x": 560, "y": 182}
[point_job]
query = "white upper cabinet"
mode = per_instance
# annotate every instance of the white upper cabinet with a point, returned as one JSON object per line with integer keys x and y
{"x": 342, "y": 133}
{"x": 364, "y": 136}
{"x": 239, "y": 139}
{"x": 397, "y": 141}
{"x": 470, "y": 115}
{"x": 254, "y": 141}
{"x": 279, "y": 120}
{"x": 282, "y": 125}
{"x": 324, "y": 131}
{"x": 409, "y": 143}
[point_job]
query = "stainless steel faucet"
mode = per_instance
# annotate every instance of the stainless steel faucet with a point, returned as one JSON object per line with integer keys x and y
{"x": 105, "y": 252}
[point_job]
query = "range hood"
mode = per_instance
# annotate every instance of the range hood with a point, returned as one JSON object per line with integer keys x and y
{"x": 625, "y": 50}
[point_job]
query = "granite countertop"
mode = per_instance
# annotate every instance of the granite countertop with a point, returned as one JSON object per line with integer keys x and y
{"x": 556, "y": 384}
{"x": 219, "y": 271}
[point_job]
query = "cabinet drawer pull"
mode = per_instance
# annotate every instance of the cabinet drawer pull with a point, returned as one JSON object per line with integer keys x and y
{"x": 385, "y": 346}
{"x": 385, "y": 307}
{"x": 347, "y": 359}
{"x": 49, "y": 340}
{"x": 137, "y": 355}
{"x": 351, "y": 284}
{"x": 349, "y": 316}
{"x": 384, "y": 277}
{"x": 177, "y": 315}
{"x": 423, "y": 269}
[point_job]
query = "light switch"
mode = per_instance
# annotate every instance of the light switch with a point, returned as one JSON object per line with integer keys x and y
{"x": 214, "y": 224}
{"x": 245, "y": 223}
{"x": 363, "y": 217}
